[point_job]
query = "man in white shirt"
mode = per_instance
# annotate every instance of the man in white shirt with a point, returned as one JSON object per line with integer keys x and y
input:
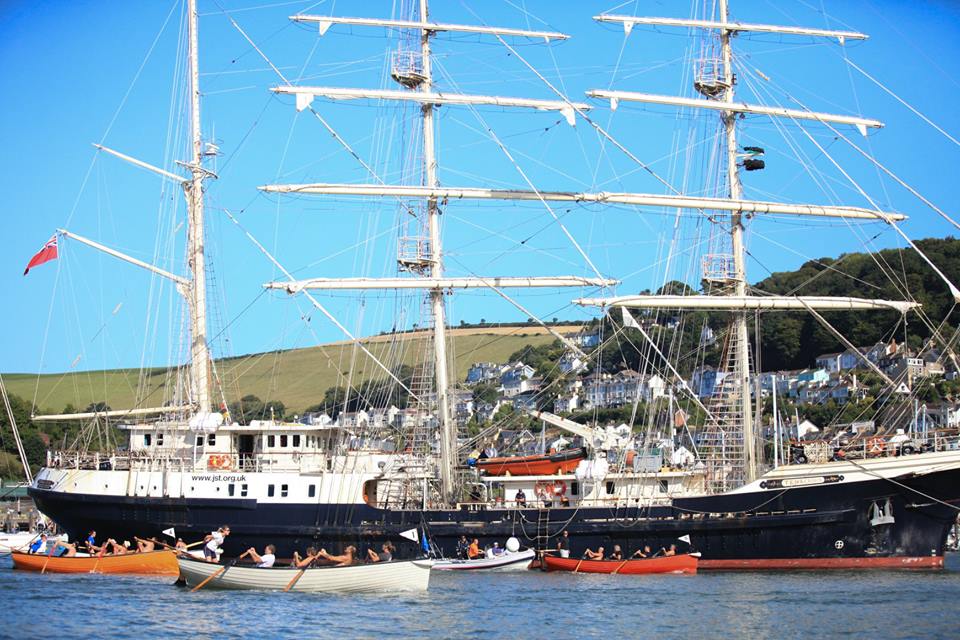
{"x": 267, "y": 559}
{"x": 213, "y": 543}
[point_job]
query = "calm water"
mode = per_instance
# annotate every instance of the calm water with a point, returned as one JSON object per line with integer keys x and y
{"x": 867, "y": 604}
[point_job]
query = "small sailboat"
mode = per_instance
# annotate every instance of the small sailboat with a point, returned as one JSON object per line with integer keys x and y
{"x": 685, "y": 563}
{"x": 160, "y": 563}
{"x": 409, "y": 575}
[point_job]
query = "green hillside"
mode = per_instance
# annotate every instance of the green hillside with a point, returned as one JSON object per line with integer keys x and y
{"x": 298, "y": 378}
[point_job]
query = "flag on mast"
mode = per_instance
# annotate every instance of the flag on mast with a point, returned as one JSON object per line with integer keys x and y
{"x": 46, "y": 254}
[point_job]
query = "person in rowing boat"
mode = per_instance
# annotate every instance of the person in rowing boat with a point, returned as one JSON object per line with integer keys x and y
{"x": 63, "y": 549}
{"x": 617, "y": 553}
{"x": 214, "y": 540}
{"x": 672, "y": 551}
{"x": 304, "y": 562}
{"x": 91, "y": 543}
{"x": 39, "y": 545}
{"x": 344, "y": 560}
{"x": 563, "y": 544}
{"x": 385, "y": 555}
{"x": 181, "y": 545}
{"x": 642, "y": 553}
{"x": 266, "y": 560}
{"x": 593, "y": 555}
{"x": 112, "y": 548}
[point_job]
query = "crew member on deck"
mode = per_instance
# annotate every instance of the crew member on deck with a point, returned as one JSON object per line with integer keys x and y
{"x": 520, "y": 498}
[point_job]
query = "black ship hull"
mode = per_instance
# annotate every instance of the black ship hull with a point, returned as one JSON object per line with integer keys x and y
{"x": 823, "y": 526}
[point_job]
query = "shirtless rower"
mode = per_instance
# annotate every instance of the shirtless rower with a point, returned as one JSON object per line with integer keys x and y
{"x": 344, "y": 560}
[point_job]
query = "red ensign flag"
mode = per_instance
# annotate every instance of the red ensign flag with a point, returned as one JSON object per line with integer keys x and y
{"x": 46, "y": 254}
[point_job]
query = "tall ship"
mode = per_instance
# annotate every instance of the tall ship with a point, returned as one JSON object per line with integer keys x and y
{"x": 739, "y": 491}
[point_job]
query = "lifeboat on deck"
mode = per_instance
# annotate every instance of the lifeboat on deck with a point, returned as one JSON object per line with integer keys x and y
{"x": 539, "y": 465}
{"x": 685, "y": 563}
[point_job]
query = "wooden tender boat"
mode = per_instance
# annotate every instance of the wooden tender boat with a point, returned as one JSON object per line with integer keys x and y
{"x": 507, "y": 561}
{"x": 407, "y": 575}
{"x": 538, "y": 465}
{"x": 148, "y": 563}
{"x": 686, "y": 563}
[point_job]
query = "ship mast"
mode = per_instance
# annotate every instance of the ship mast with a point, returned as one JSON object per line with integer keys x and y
{"x": 197, "y": 294}
{"x": 741, "y": 339}
{"x": 448, "y": 431}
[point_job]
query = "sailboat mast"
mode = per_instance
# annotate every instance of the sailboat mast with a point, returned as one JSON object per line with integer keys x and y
{"x": 199, "y": 355}
{"x": 741, "y": 336}
{"x": 448, "y": 434}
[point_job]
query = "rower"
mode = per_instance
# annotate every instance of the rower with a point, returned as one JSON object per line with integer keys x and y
{"x": 91, "y": 543}
{"x": 672, "y": 551}
{"x": 344, "y": 560}
{"x": 617, "y": 553}
{"x": 304, "y": 561}
{"x": 385, "y": 555}
{"x": 642, "y": 553}
{"x": 146, "y": 546}
{"x": 266, "y": 560}
{"x": 593, "y": 555}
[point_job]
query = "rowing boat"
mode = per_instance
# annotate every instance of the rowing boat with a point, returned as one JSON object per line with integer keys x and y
{"x": 536, "y": 465}
{"x": 685, "y": 563}
{"x": 408, "y": 575}
{"x": 147, "y": 563}
{"x": 507, "y": 561}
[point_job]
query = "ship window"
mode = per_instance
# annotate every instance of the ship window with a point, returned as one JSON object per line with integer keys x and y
{"x": 269, "y": 490}
{"x": 283, "y": 440}
{"x": 159, "y": 439}
{"x": 296, "y": 441}
{"x": 283, "y": 491}
{"x": 312, "y": 491}
{"x": 146, "y": 439}
{"x": 212, "y": 439}
{"x": 199, "y": 441}
{"x": 230, "y": 489}
{"x": 243, "y": 491}
{"x": 271, "y": 441}
{"x": 574, "y": 488}
{"x": 611, "y": 488}
{"x": 663, "y": 486}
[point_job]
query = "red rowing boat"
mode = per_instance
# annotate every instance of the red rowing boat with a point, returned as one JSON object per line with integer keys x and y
{"x": 686, "y": 563}
{"x": 538, "y": 465}
{"x": 148, "y": 563}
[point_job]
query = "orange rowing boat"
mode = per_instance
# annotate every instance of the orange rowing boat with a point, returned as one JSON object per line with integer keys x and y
{"x": 685, "y": 563}
{"x": 537, "y": 465}
{"x": 149, "y": 563}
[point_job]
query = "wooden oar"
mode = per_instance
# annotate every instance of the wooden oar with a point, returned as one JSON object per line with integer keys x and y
{"x": 49, "y": 555}
{"x": 621, "y": 565}
{"x": 577, "y": 568}
{"x": 300, "y": 573}
{"x": 217, "y": 574}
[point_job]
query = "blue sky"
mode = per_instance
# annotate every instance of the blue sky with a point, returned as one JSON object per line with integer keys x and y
{"x": 79, "y": 72}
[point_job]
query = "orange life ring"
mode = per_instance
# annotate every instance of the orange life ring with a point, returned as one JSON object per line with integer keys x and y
{"x": 559, "y": 488}
{"x": 876, "y": 444}
{"x": 216, "y": 461}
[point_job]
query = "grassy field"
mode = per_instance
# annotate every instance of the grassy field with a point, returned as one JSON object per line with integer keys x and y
{"x": 297, "y": 377}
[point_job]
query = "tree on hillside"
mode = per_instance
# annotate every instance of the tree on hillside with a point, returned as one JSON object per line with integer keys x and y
{"x": 250, "y": 408}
